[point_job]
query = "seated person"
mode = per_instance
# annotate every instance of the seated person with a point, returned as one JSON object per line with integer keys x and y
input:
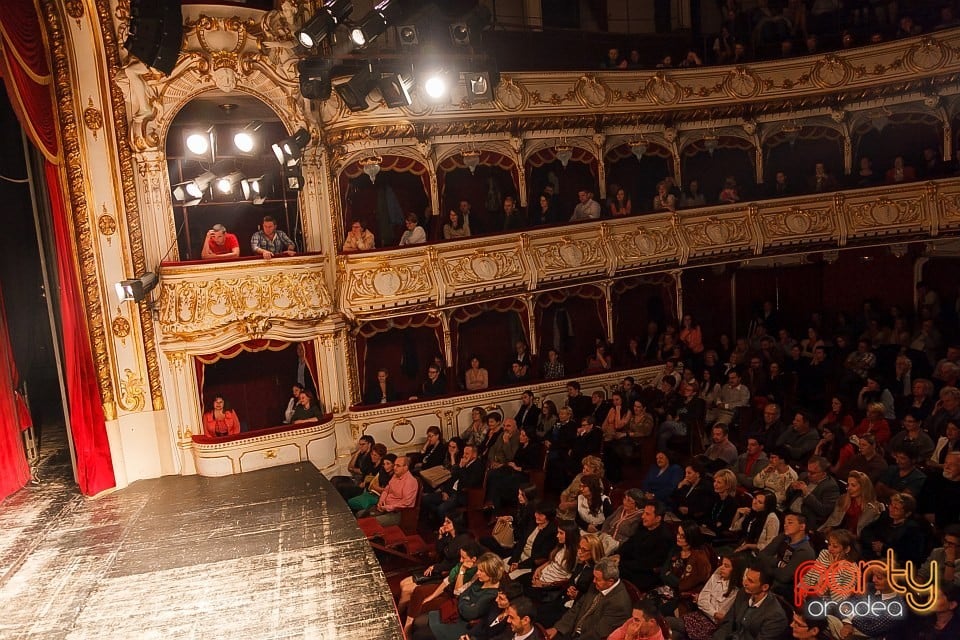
{"x": 292, "y": 403}
{"x": 435, "y": 384}
{"x": 307, "y": 410}
{"x": 664, "y": 200}
{"x": 358, "y": 238}
{"x": 219, "y": 244}
{"x": 457, "y": 227}
{"x": 414, "y": 233}
{"x": 517, "y": 373}
{"x": 899, "y": 172}
{"x": 513, "y": 218}
{"x": 373, "y": 485}
{"x": 269, "y": 241}
{"x": 757, "y": 525}
{"x": 400, "y": 493}
{"x": 694, "y": 496}
{"x": 587, "y": 208}
{"x": 785, "y": 553}
{"x": 382, "y": 391}
{"x": 821, "y": 180}
{"x": 221, "y": 420}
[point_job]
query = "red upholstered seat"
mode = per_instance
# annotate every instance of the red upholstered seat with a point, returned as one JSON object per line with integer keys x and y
{"x": 371, "y": 527}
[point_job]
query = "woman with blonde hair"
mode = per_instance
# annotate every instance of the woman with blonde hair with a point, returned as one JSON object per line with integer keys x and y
{"x": 725, "y": 507}
{"x": 472, "y": 604}
{"x": 856, "y": 508}
{"x": 874, "y": 424}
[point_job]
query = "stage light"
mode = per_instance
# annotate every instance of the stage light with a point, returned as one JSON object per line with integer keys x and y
{"x": 244, "y": 140}
{"x": 289, "y": 150}
{"x": 228, "y": 183}
{"x": 375, "y": 22}
{"x": 315, "y": 78}
{"x": 479, "y": 85}
{"x": 408, "y": 35}
{"x": 436, "y": 85}
{"x": 293, "y": 177}
{"x": 354, "y": 91}
{"x": 395, "y": 89}
{"x": 254, "y": 189}
{"x": 201, "y": 143}
{"x": 136, "y": 289}
{"x": 185, "y": 194}
{"x": 466, "y": 31}
{"x": 199, "y": 185}
{"x": 323, "y": 22}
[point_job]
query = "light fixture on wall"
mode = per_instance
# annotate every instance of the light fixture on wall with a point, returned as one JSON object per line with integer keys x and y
{"x": 246, "y": 140}
{"x": 136, "y": 289}
{"x": 471, "y": 158}
{"x": 254, "y": 189}
{"x": 395, "y": 89}
{"x": 202, "y": 143}
{"x": 323, "y": 22}
{"x": 564, "y": 153}
{"x": 289, "y": 150}
{"x": 229, "y": 182}
{"x": 371, "y": 167}
{"x": 638, "y": 147}
{"x": 375, "y": 22}
{"x": 354, "y": 91}
{"x": 711, "y": 142}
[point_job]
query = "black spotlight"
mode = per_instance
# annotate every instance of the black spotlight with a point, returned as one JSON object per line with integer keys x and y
{"x": 354, "y": 91}
{"x": 323, "y": 22}
{"x": 375, "y": 22}
{"x": 315, "y": 78}
{"x": 155, "y": 33}
{"x": 465, "y": 32}
{"x": 289, "y": 150}
{"x": 408, "y": 35}
{"x": 395, "y": 89}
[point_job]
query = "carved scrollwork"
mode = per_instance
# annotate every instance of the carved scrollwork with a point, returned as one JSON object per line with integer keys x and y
{"x": 663, "y": 90}
{"x": 132, "y": 397}
{"x": 798, "y": 222}
{"x": 569, "y": 254}
{"x": 647, "y": 243}
{"x": 483, "y": 266}
{"x": 929, "y": 54}
{"x": 511, "y": 96}
{"x": 386, "y": 281}
{"x": 592, "y": 92}
{"x": 403, "y": 432}
{"x": 886, "y": 213}
{"x": 715, "y": 232}
{"x": 831, "y": 71}
{"x": 196, "y": 307}
{"x": 742, "y": 82}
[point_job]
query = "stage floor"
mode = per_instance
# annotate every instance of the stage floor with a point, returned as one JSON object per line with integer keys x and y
{"x": 269, "y": 554}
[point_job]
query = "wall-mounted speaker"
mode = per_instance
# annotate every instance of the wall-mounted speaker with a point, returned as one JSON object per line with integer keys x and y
{"x": 156, "y": 32}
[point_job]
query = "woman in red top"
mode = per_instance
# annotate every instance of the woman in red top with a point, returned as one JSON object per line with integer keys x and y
{"x": 835, "y": 447}
{"x": 874, "y": 423}
{"x": 220, "y": 421}
{"x": 838, "y": 414}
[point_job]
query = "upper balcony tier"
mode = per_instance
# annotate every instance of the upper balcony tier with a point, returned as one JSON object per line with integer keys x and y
{"x": 922, "y": 64}
{"x": 285, "y": 298}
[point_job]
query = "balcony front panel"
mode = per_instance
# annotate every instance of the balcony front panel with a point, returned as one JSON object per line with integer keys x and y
{"x": 653, "y": 243}
{"x": 473, "y": 268}
{"x": 888, "y": 212}
{"x": 402, "y": 278}
{"x": 217, "y": 303}
{"x": 571, "y": 253}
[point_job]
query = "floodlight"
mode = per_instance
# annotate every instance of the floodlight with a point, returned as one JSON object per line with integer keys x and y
{"x": 137, "y": 288}
{"x": 408, "y": 35}
{"x": 199, "y": 185}
{"x": 479, "y": 85}
{"x": 244, "y": 140}
{"x": 354, "y": 91}
{"x": 228, "y": 183}
{"x": 293, "y": 177}
{"x": 186, "y": 195}
{"x": 466, "y": 31}
{"x": 315, "y": 78}
{"x": 316, "y": 29}
{"x": 289, "y": 150}
{"x": 201, "y": 142}
{"x": 436, "y": 85}
{"x": 254, "y": 189}
{"x": 395, "y": 89}
{"x": 374, "y": 22}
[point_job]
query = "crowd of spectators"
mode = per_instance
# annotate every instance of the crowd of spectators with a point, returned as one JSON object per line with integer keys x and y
{"x": 813, "y": 453}
{"x": 779, "y": 29}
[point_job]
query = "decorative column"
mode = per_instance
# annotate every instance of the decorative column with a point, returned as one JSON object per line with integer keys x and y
{"x": 607, "y": 287}
{"x": 516, "y": 144}
{"x": 531, "y": 303}
{"x": 677, "y": 276}
{"x": 444, "y": 317}
{"x": 598, "y": 144}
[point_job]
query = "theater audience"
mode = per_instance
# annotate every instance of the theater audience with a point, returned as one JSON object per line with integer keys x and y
{"x": 758, "y": 525}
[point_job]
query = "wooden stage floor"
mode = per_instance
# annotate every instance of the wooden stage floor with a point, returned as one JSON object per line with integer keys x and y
{"x": 269, "y": 554}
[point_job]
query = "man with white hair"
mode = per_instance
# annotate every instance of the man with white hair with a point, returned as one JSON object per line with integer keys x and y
{"x": 939, "y": 498}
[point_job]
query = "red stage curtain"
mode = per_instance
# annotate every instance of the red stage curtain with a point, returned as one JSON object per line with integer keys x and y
{"x": 26, "y": 72}
{"x": 87, "y": 423}
{"x": 14, "y": 470}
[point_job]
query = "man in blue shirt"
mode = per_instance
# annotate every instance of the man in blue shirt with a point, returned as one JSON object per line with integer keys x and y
{"x": 270, "y": 241}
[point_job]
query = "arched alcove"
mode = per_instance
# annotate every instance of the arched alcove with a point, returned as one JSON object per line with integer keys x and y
{"x": 494, "y": 178}
{"x": 732, "y": 156}
{"x": 796, "y": 151}
{"x": 637, "y": 177}
{"x": 217, "y": 119}
{"x": 544, "y": 168}
{"x": 639, "y": 301}
{"x": 403, "y": 346}
{"x": 882, "y": 138}
{"x": 489, "y": 331}
{"x": 401, "y": 186}
{"x": 571, "y": 320}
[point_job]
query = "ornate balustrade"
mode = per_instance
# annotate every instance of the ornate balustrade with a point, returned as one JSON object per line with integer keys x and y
{"x": 704, "y": 93}
{"x": 205, "y": 306}
{"x": 432, "y": 276}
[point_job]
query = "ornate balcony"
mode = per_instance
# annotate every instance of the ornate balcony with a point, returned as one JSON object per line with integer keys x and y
{"x": 434, "y": 276}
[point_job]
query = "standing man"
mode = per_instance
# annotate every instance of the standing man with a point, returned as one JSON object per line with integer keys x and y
{"x": 529, "y": 414}
{"x": 219, "y": 244}
{"x": 269, "y": 241}
{"x": 588, "y": 209}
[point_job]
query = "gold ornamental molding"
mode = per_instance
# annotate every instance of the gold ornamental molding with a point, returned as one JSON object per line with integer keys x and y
{"x": 403, "y": 281}
{"x": 657, "y": 96}
{"x": 73, "y": 166}
{"x": 245, "y": 300}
